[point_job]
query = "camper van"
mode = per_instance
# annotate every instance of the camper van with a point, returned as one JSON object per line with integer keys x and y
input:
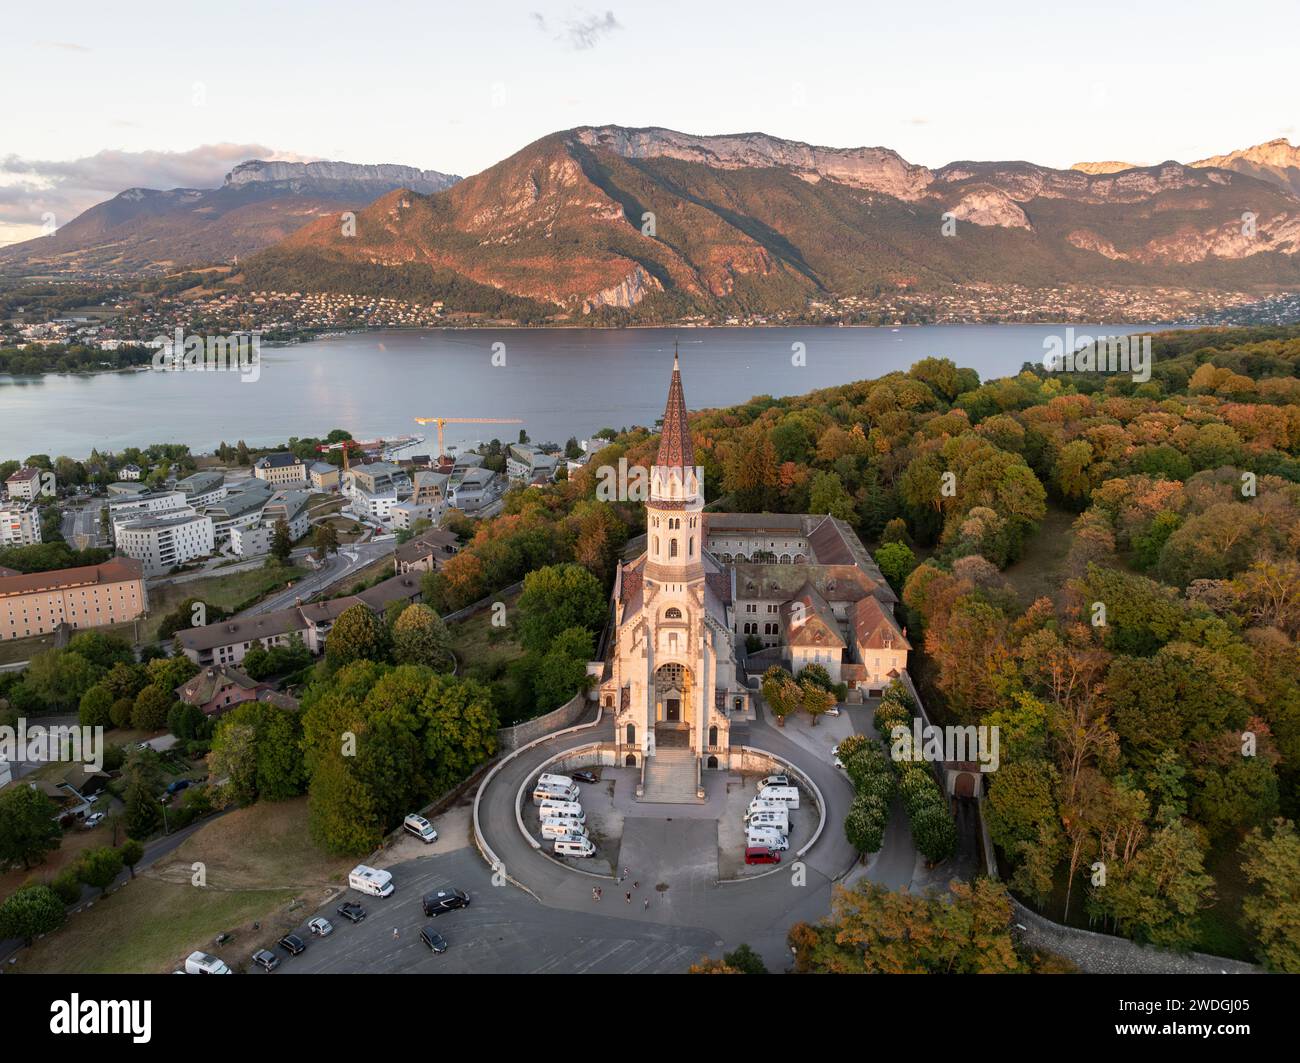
{"x": 574, "y": 847}
{"x": 768, "y": 836}
{"x": 563, "y": 828}
{"x": 780, "y": 820}
{"x": 202, "y": 963}
{"x": 546, "y": 779}
{"x": 547, "y": 792}
{"x": 759, "y": 805}
{"x": 367, "y": 880}
{"x": 562, "y": 810}
{"x": 421, "y": 828}
{"x": 789, "y": 795}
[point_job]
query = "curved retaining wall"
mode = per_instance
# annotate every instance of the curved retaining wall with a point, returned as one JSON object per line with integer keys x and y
{"x": 521, "y": 734}
{"x": 577, "y": 753}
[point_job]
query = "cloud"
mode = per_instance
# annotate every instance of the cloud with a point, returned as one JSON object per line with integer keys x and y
{"x": 581, "y": 30}
{"x": 66, "y": 46}
{"x": 32, "y": 188}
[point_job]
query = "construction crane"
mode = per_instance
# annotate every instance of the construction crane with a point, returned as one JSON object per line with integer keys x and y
{"x": 346, "y": 445}
{"x": 440, "y": 421}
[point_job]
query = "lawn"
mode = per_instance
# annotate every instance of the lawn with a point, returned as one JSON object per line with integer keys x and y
{"x": 482, "y": 649}
{"x": 228, "y": 590}
{"x": 260, "y": 867}
{"x": 1041, "y": 573}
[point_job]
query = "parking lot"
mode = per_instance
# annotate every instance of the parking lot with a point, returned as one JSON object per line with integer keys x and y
{"x": 503, "y": 930}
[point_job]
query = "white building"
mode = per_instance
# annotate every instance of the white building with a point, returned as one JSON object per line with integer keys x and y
{"x": 130, "y": 472}
{"x": 282, "y": 469}
{"x": 129, "y": 508}
{"x": 19, "y": 525}
{"x": 251, "y": 542}
{"x": 24, "y": 485}
{"x": 163, "y": 542}
{"x": 203, "y": 488}
{"x": 290, "y": 507}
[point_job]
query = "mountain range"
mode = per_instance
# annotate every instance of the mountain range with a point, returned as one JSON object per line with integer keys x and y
{"x": 664, "y": 224}
{"x": 258, "y": 204}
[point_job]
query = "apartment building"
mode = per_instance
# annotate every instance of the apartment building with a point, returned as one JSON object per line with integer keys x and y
{"x": 475, "y": 489}
{"x": 241, "y": 508}
{"x": 89, "y": 596}
{"x": 375, "y": 488}
{"x": 20, "y": 525}
{"x": 290, "y": 507}
{"x": 323, "y": 476}
{"x": 160, "y": 543}
{"x": 24, "y": 485}
{"x": 203, "y": 488}
{"x": 127, "y": 508}
{"x": 527, "y": 463}
{"x": 281, "y": 469}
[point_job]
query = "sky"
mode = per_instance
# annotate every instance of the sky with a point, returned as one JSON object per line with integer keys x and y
{"x": 101, "y": 97}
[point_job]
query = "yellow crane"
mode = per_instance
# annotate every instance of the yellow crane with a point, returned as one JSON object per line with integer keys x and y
{"x": 440, "y": 421}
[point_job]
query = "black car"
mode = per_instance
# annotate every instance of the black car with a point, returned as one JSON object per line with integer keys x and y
{"x": 445, "y": 901}
{"x": 292, "y": 944}
{"x": 266, "y": 959}
{"x": 585, "y": 776}
{"x": 435, "y": 941}
{"x": 351, "y": 911}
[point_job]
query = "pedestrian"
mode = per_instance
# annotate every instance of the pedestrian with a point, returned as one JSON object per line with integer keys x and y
{"x": 628, "y": 896}
{"x": 626, "y": 872}
{"x": 593, "y": 893}
{"x": 394, "y": 933}
{"x": 636, "y": 885}
{"x": 647, "y": 905}
{"x": 600, "y": 892}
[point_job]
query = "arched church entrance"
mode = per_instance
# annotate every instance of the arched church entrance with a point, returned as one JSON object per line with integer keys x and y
{"x": 673, "y": 687}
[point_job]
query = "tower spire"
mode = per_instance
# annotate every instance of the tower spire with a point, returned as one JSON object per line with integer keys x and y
{"x": 675, "y": 447}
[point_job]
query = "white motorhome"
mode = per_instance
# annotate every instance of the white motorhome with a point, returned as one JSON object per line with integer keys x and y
{"x": 574, "y": 847}
{"x": 202, "y": 963}
{"x": 546, "y": 792}
{"x": 563, "y": 828}
{"x": 547, "y": 779}
{"x": 368, "y": 880}
{"x": 788, "y": 795}
{"x": 769, "y": 837}
{"x": 562, "y": 809}
{"x": 421, "y": 828}
{"x": 780, "y": 820}
{"x": 759, "y": 805}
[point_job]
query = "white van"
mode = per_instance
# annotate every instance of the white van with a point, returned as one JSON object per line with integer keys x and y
{"x": 563, "y": 828}
{"x": 780, "y": 820}
{"x": 367, "y": 880}
{"x": 545, "y": 792}
{"x": 789, "y": 795}
{"x": 563, "y": 810}
{"x": 574, "y": 847}
{"x": 421, "y": 828}
{"x": 546, "y": 779}
{"x": 202, "y": 963}
{"x": 759, "y": 805}
{"x": 768, "y": 837}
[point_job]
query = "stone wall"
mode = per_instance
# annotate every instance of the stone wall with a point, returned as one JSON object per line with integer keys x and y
{"x": 511, "y": 738}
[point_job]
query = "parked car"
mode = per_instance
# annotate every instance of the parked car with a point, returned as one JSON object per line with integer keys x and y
{"x": 93, "y": 820}
{"x": 421, "y": 828}
{"x": 585, "y": 776}
{"x": 292, "y": 944}
{"x": 351, "y": 911}
{"x": 773, "y": 780}
{"x": 435, "y": 941}
{"x": 321, "y": 927}
{"x": 266, "y": 959}
{"x": 179, "y": 785}
{"x": 761, "y": 854}
{"x": 835, "y": 757}
{"x": 202, "y": 963}
{"x": 445, "y": 901}
{"x": 834, "y": 710}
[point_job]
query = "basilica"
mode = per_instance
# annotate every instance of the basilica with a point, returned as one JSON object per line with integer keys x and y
{"x": 716, "y": 599}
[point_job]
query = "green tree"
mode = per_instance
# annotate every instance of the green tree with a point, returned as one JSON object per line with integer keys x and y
{"x": 31, "y": 911}
{"x": 420, "y": 637}
{"x": 152, "y": 704}
{"x": 357, "y": 635}
{"x": 562, "y": 670}
{"x": 281, "y": 542}
{"x": 827, "y": 495}
{"x": 27, "y": 826}
{"x": 325, "y": 540}
{"x": 745, "y": 960}
{"x": 96, "y": 707}
{"x": 97, "y": 868}
{"x": 462, "y": 729}
{"x": 896, "y": 562}
{"x": 555, "y": 598}
{"x": 1271, "y": 863}
{"x": 132, "y": 853}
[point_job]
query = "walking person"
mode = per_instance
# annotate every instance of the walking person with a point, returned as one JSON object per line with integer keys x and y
{"x": 394, "y": 933}
{"x": 647, "y": 905}
{"x": 628, "y": 896}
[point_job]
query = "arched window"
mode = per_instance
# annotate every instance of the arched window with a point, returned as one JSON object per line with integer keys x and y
{"x": 713, "y": 735}
{"x": 656, "y": 544}
{"x": 712, "y": 762}
{"x": 690, "y": 546}
{"x": 673, "y": 613}
{"x": 672, "y": 547}
{"x": 631, "y": 760}
{"x": 631, "y": 734}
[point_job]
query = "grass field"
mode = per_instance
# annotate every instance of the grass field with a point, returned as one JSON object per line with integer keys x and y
{"x": 260, "y": 867}
{"x": 1040, "y": 573}
{"x": 482, "y": 648}
{"x": 227, "y": 590}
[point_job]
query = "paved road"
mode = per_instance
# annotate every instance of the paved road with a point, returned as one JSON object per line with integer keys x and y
{"x": 503, "y": 930}
{"x": 336, "y": 569}
{"x": 758, "y": 912}
{"x": 23, "y": 764}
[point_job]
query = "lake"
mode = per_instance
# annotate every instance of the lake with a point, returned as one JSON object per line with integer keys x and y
{"x": 559, "y": 382}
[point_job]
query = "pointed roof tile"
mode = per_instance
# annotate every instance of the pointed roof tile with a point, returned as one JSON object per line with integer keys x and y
{"x": 675, "y": 447}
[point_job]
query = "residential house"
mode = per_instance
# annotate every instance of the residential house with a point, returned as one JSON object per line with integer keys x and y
{"x": 84, "y": 597}
{"x": 281, "y": 469}
{"x": 219, "y": 688}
